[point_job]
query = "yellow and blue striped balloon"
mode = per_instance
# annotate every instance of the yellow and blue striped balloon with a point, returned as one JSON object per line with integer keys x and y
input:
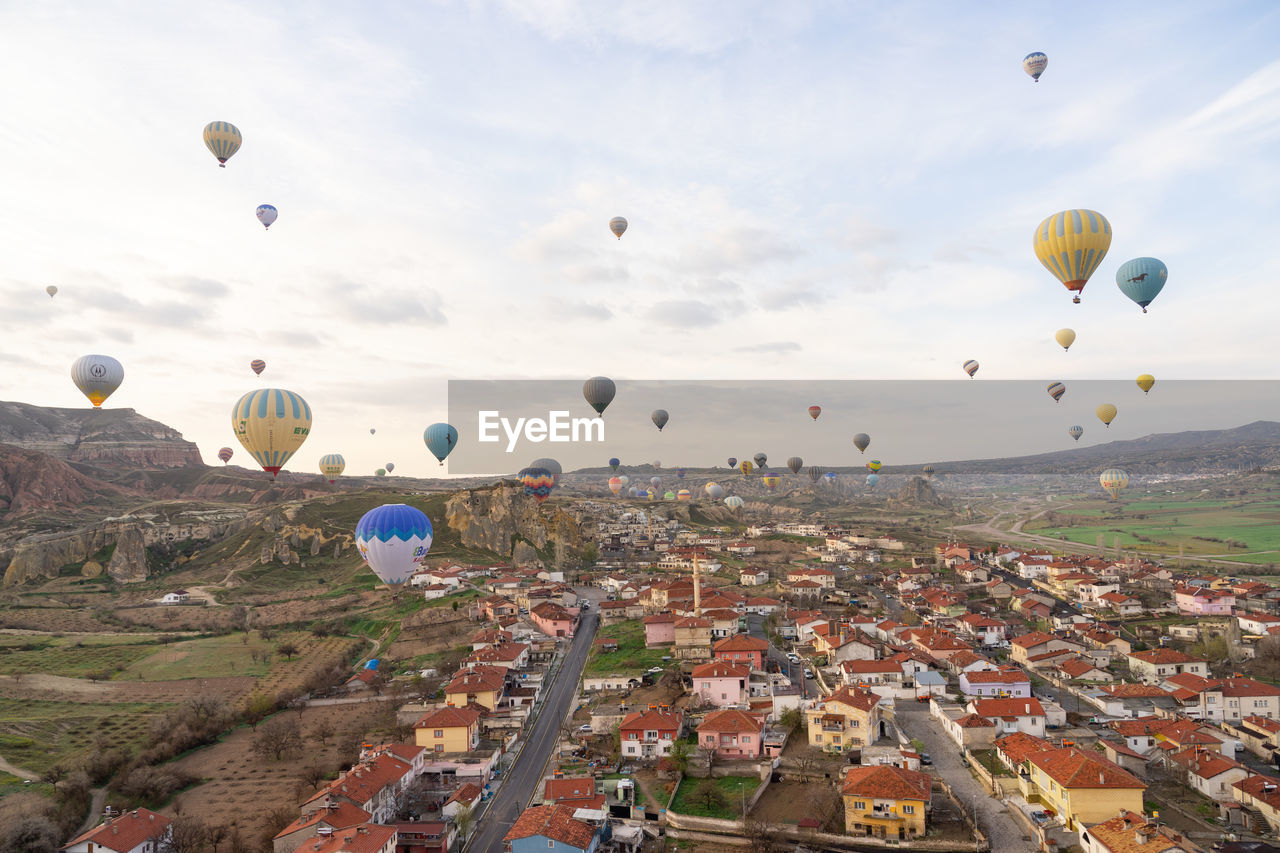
{"x": 332, "y": 465}
{"x": 1114, "y": 481}
{"x": 271, "y": 423}
{"x": 1071, "y": 244}
{"x": 223, "y": 139}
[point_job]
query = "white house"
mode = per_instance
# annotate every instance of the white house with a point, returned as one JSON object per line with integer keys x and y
{"x": 753, "y": 577}
{"x": 175, "y": 597}
{"x": 137, "y": 831}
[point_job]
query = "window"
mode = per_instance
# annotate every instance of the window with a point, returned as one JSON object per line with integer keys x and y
{"x": 551, "y": 842}
{"x": 860, "y": 805}
{"x": 439, "y": 733}
{"x": 908, "y": 809}
{"x": 439, "y": 747}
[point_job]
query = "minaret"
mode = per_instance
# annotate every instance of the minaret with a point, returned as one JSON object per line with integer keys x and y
{"x": 697, "y": 584}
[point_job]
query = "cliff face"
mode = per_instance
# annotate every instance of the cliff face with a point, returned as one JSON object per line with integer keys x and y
{"x": 918, "y": 492}
{"x": 105, "y": 437}
{"x": 32, "y": 482}
{"x": 505, "y": 520}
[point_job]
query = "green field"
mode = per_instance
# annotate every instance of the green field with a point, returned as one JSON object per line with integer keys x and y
{"x": 732, "y": 788}
{"x": 203, "y": 658}
{"x": 75, "y": 657}
{"x": 36, "y": 735}
{"x": 10, "y": 784}
{"x": 631, "y": 658}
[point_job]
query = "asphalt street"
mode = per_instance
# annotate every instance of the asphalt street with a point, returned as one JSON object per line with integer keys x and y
{"x": 794, "y": 671}
{"x": 526, "y": 772}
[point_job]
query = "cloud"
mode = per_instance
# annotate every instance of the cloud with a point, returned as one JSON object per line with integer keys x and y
{"x": 585, "y": 310}
{"x": 737, "y": 247}
{"x": 206, "y": 288}
{"x": 387, "y": 304}
{"x": 776, "y": 347}
{"x": 593, "y": 273}
{"x": 799, "y": 296}
{"x": 684, "y": 313}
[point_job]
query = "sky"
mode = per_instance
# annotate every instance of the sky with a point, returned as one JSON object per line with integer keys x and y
{"x": 816, "y": 191}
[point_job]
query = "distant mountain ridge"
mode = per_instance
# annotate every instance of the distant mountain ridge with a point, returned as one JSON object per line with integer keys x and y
{"x": 99, "y": 437}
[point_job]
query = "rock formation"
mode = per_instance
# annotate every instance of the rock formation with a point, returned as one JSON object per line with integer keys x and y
{"x": 120, "y": 437}
{"x": 129, "y": 561}
{"x": 505, "y": 520}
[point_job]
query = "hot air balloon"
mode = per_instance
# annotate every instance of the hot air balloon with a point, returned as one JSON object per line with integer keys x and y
{"x": 225, "y": 454}
{"x": 1146, "y": 382}
{"x": 1056, "y": 390}
{"x": 874, "y": 465}
{"x": 614, "y": 462}
{"x": 1106, "y": 413}
{"x": 814, "y": 411}
{"x": 551, "y": 466}
{"x": 651, "y": 495}
{"x": 599, "y": 392}
{"x": 771, "y": 481}
{"x": 669, "y": 496}
{"x": 659, "y": 418}
{"x": 1071, "y": 244}
{"x": 618, "y": 226}
{"x": 1065, "y": 338}
{"x": 390, "y": 466}
{"x": 714, "y": 491}
{"x": 381, "y": 472}
{"x": 97, "y": 377}
{"x": 733, "y": 462}
{"x": 928, "y": 471}
{"x": 862, "y": 441}
{"x": 1114, "y": 481}
{"x": 733, "y": 502}
{"x": 257, "y": 366}
{"x": 266, "y": 214}
{"x": 625, "y": 479}
{"x": 872, "y": 479}
{"x": 1075, "y": 432}
{"x": 440, "y": 439}
{"x": 814, "y": 473}
{"x": 655, "y": 481}
{"x": 1035, "y": 64}
{"x": 372, "y": 430}
{"x": 970, "y": 367}
{"x": 222, "y": 139}
{"x": 537, "y": 482}
{"x": 51, "y": 290}
{"x": 746, "y": 467}
{"x": 1142, "y": 279}
{"x": 271, "y": 424}
{"x": 679, "y": 473}
{"x": 683, "y": 495}
{"x": 393, "y": 539}
{"x": 760, "y": 459}
{"x": 795, "y": 463}
{"x": 615, "y": 485}
{"x": 829, "y": 477}
{"x": 332, "y": 465}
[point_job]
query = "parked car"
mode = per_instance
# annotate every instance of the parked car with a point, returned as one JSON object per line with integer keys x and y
{"x": 925, "y": 759}
{"x": 1040, "y": 817}
{"x": 586, "y": 727}
{"x": 808, "y": 673}
{"x": 655, "y": 669}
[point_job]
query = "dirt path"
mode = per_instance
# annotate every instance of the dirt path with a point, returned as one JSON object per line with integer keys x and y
{"x": 20, "y": 772}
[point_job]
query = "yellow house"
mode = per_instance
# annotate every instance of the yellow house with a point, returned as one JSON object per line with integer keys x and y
{"x": 884, "y": 801}
{"x": 1083, "y": 787}
{"x": 448, "y": 730}
{"x": 847, "y": 719}
{"x": 479, "y": 685}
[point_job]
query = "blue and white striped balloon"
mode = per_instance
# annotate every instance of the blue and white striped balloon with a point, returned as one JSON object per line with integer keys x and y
{"x": 394, "y": 540}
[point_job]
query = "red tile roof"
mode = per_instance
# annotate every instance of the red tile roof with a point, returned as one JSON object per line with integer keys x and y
{"x": 1072, "y": 767}
{"x": 340, "y": 816}
{"x": 363, "y": 838}
{"x": 886, "y": 782}
{"x": 555, "y": 822}
{"x": 997, "y": 676}
{"x": 1028, "y": 706}
{"x": 572, "y": 788}
{"x": 652, "y": 720}
{"x": 863, "y": 700}
{"x": 721, "y": 669}
{"x": 1159, "y": 656}
{"x": 740, "y": 643}
{"x": 126, "y": 831}
{"x": 447, "y": 718}
{"x": 1020, "y": 746}
{"x": 731, "y": 720}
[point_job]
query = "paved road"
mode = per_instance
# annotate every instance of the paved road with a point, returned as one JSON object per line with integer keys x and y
{"x": 913, "y": 719}
{"x": 526, "y": 773}
{"x": 808, "y": 687}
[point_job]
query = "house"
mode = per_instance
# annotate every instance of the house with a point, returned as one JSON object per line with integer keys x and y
{"x": 741, "y": 648}
{"x": 752, "y": 576}
{"x": 496, "y": 607}
{"x": 999, "y": 589}
{"x": 1121, "y": 604}
{"x": 650, "y": 733}
{"x": 1158, "y": 664}
{"x": 1012, "y": 715}
{"x": 1006, "y": 682}
{"x": 1203, "y": 601}
{"x": 1131, "y": 832}
{"x": 860, "y": 673}
{"x": 1081, "y": 786}
{"x": 839, "y": 643}
{"x": 137, "y": 831}
{"x": 824, "y": 578}
{"x": 1229, "y": 699}
{"x": 693, "y": 638}
{"x": 331, "y": 819}
{"x": 1262, "y": 795}
{"x": 887, "y": 802}
{"x": 1209, "y": 772}
{"x": 375, "y": 785}
{"x": 448, "y": 730}
{"x": 722, "y": 684}
{"x": 363, "y": 838}
{"x": 1023, "y": 648}
{"x": 576, "y": 791}
{"x": 550, "y": 827}
{"x": 985, "y": 629}
{"x": 425, "y": 836}
{"x": 552, "y": 619}
{"x": 1257, "y": 624}
{"x": 178, "y": 596}
{"x": 1081, "y": 669}
{"x": 847, "y": 719}
{"x": 466, "y": 797}
{"x": 503, "y": 656}
{"x": 731, "y": 733}
{"x": 478, "y": 685}
{"x": 659, "y": 630}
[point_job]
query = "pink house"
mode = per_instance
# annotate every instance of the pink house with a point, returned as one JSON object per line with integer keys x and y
{"x": 1202, "y": 601}
{"x": 722, "y": 684}
{"x": 659, "y": 630}
{"x": 552, "y": 619}
{"x": 732, "y": 734}
{"x": 741, "y": 649}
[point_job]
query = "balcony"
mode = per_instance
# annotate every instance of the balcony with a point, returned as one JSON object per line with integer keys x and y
{"x": 832, "y": 727}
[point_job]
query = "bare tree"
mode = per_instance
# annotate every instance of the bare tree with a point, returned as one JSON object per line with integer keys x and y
{"x": 276, "y": 737}
{"x": 287, "y": 649}
{"x": 763, "y": 837}
{"x": 187, "y": 834}
{"x": 322, "y": 730}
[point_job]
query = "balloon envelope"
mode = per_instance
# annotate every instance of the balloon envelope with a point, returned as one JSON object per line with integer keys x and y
{"x": 1035, "y": 64}
{"x": 618, "y": 226}
{"x": 266, "y": 214}
{"x": 1071, "y": 244}
{"x": 679, "y": 473}
{"x": 874, "y": 465}
{"x": 599, "y": 392}
{"x": 615, "y": 485}
{"x": 771, "y": 481}
{"x": 381, "y": 472}
{"x": 1114, "y": 481}
{"x": 1146, "y": 382}
{"x": 659, "y": 418}
{"x": 1056, "y": 390}
{"x": 225, "y": 454}
{"x": 271, "y": 424}
{"x": 440, "y": 439}
{"x": 872, "y": 479}
{"x": 1106, "y": 413}
{"x": 625, "y": 479}
{"x": 862, "y": 441}
{"x": 97, "y": 377}
{"x": 537, "y": 482}
{"x": 795, "y": 463}
{"x": 814, "y": 411}
{"x": 746, "y": 467}
{"x": 390, "y": 466}
{"x": 814, "y": 473}
{"x": 51, "y": 290}
{"x": 714, "y": 491}
{"x": 1065, "y": 338}
{"x": 614, "y": 462}
{"x": 733, "y": 502}
{"x": 257, "y": 366}
{"x": 223, "y": 139}
{"x": 760, "y": 459}
{"x": 1075, "y": 432}
{"x": 733, "y": 461}
{"x": 683, "y": 495}
{"x": 1142, "y": 279}
{"x": 394, "y": 539}
{"x": 332, "y": 465}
